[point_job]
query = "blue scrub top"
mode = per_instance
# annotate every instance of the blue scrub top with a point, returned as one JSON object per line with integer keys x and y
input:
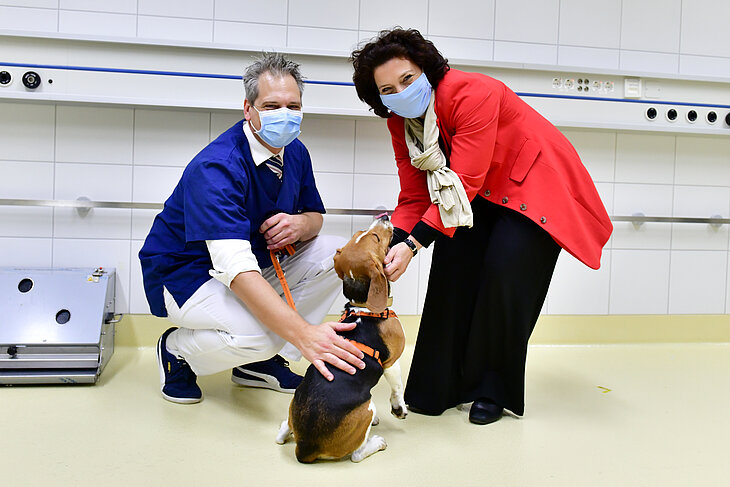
{"x": 222, "y": 195}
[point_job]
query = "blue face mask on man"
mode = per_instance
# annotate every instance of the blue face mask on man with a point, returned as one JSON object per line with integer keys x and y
{"x": 411, "y": 102}
{"x": 279, "y": 127}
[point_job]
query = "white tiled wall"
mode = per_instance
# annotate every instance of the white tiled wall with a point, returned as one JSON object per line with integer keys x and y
{"x": 61, "y": 151}
{"x": 127, "y": 154}
{"x": 661, "y": 36}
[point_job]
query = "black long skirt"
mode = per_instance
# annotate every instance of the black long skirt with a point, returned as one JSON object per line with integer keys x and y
{"x": 485, "y": 291}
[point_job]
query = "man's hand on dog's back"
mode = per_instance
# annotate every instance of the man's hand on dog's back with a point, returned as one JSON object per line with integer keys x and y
{"x": 320, "y": 344}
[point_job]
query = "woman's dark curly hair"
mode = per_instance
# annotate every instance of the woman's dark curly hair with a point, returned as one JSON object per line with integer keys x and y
{"x": 389, "y": 44}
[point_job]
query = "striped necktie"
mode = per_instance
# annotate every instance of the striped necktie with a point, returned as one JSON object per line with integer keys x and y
{"x": 276, "y": 165}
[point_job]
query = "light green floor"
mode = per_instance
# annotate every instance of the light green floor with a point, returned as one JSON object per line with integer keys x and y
{"x": 611, "y": 415}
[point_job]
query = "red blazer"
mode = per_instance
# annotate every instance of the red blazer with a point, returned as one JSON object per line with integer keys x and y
{"x": 506, "y": 152}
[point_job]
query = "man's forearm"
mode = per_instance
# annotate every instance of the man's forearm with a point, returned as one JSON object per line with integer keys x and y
{"x": 313, "y": 224}
{"x": 266, "y": 305}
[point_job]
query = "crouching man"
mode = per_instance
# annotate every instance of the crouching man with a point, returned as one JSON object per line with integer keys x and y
{"x": 206, "y": 262}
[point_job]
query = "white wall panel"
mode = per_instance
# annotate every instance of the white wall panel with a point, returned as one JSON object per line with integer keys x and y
{"x": 639, "y": 282}
{"x": 188, "y": 30}
{"x": 340, "y": 225}
{"x": 376, "y": 15}
{"x": 697, "y": 282}
{"x": 462, "y": 48}
{"x": 28, "y": 19}
{"x": 704, "y": 66}
{"x": 582, "y": 24}
{"x": 98, "y": 182}
{"x": 342, "y": 14}
{"x": 589, "y": 57}
{"x": 26, "y": 252}
{"x": 30, "y": 3}
{"x": 374, "y": 148}
{"x": 222, "y": 121}
{"x": 75, "y": 252}
{"x": 651, "y": 25}
{"x": 523, "y": 52}
{"x": 265, "y": 36}
{"x": 26, "y": 180}
{"x": 94, "y": 23}
{"x": 700, "y": 202}
{"x": 404, "y": 291}
{"x": 264, "y": 11}
{"x": 335, "y": 189}
{"x": 26, "y": 222}
{"x": 703, "y": 161}
{"x": 645, "y": 158}
{"x": 578, "y": 289}
{"x": 654, "y": 62}
{"x": 461, "y": 18}
{"x": 322, "y": 39}
{"x": 330, "y": 141}
{"x": 651, "y": 200}
{"x": 195, "y": 9}
{"x": 597, "y": 151}
{"x": 151, "y": 185}
{"x": 373, "y": 191}
{"x": 527, "y": 21}
{"x": 142, "y": 223}
{"x": 97, "y": 135}
{"x": 137, "y": 299}
{"x": 702, "y": 20}
{"x": 154, "y": 184}
{"x": 169, "y": 138}
{"x": 111, "y": 6}
{"x": 606, "y": 193}
{"x": 27, "y": 132}
{"x": 423, "y": 261}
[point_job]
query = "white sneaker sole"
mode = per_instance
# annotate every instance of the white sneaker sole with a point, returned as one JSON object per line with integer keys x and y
{"x": 262, "y": 384}
{"x": 161, "y": 367}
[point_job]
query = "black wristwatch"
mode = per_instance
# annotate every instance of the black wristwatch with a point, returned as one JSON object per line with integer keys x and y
{"x": 411, "y": 246}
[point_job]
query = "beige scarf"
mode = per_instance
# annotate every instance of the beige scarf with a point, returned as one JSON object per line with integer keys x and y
{"x": 444, "y": 185}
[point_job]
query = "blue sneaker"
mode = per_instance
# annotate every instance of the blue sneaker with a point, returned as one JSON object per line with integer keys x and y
{"x": 177, "y": 379}
{"x": 270, "y": 374}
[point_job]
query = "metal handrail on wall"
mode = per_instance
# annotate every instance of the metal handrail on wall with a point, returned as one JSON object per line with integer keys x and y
{"x": 83, "y": 205}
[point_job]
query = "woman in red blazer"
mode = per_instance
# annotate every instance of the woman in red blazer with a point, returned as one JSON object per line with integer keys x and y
{"x": 509, "y": 193}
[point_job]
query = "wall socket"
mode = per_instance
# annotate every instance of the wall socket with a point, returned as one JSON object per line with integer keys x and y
{"x": 582, "y": 84}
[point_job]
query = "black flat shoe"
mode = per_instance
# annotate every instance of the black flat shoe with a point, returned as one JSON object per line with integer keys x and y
{"x": 425, "y": 412}
{"x": 484, "y": 411}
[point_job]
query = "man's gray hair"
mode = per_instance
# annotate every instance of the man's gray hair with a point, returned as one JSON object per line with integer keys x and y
{"x": 274, "y": 63}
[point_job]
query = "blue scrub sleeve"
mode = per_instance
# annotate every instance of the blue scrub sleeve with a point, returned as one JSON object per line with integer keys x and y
{"x": 214, "y": 202}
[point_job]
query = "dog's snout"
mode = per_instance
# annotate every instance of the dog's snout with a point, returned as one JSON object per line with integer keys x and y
{"x": 383, "y": 217}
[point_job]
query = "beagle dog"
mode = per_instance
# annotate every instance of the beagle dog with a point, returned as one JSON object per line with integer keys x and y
{"x": 331, "y": 420}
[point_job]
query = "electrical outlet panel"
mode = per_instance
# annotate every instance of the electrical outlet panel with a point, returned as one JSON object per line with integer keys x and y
{"x": 576, "y": 84}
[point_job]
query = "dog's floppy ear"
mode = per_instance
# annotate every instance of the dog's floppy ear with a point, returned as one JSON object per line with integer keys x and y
{"x": 378, "y": 292}
{"x": 338, "y": 269}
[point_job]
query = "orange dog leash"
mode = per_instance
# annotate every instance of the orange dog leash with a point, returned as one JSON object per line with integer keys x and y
{"x": 289, "y": 250}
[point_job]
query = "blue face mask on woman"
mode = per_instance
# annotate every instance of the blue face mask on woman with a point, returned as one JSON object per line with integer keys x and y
{"x": 411, "y": 102}
{"x": 279, "y": 127}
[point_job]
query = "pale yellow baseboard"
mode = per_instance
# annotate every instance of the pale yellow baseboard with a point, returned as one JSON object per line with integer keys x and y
{"x": 144, "y": 330}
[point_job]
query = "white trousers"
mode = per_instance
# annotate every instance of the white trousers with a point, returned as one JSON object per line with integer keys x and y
{"x": 217, "y": 332}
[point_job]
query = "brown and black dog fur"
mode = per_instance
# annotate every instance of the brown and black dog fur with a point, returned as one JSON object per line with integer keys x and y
{"x": 331, "y": 420}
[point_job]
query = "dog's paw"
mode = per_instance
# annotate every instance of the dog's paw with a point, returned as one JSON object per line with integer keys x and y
{"x": 374, "y": 444}
{"x": 400, "y": 411}
{"x": 284, "y": 433}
